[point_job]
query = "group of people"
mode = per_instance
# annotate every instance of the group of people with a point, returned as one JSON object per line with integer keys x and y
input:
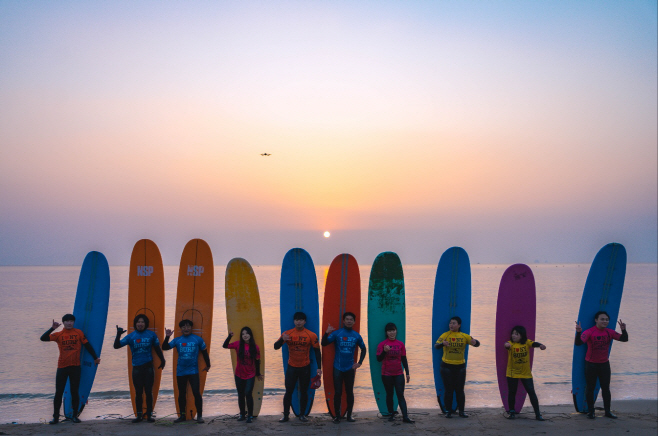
{"x": 301, "y": 342}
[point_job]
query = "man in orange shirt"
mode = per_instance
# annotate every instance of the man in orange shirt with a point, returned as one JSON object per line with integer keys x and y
{"x": 70, "y": 341}
{"x": 299, "y": 341}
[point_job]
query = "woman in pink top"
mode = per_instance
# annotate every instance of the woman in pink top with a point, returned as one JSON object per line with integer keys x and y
{"x": 246, "y": 370}
{"x": 393, "y": 356}
{"x": 597, "y": 365}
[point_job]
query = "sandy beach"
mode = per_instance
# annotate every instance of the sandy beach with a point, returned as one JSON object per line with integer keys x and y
{"x": 635, "y": 417}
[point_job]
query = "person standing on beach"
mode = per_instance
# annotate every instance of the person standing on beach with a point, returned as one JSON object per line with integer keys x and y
{"x": 246, "y": 370}
{"x": 518, "y": 368}
{"x": 597, "y": 365}
{"x": 299, "y": 341}
{"x": 453, "y": 364}
{"x": 345, "y": 340}
{"x": 187, "y": 367}
{"x": 70, "y": 342}
{"x": 142, "y": 342}
{"x": 393, "y": 355}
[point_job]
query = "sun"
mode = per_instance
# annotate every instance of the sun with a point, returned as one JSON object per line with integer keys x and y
{"x": 327, "y": 234}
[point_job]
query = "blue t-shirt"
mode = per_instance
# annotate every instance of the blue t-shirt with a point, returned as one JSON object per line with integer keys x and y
{"x": 141, "y": 345}
{"x": 188, "y": 348}
{"x": 346, "y": 342}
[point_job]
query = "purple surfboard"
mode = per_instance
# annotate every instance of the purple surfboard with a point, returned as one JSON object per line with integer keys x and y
{"x": 516, "y": 306}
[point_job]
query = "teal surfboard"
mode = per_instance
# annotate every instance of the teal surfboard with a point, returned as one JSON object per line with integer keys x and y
{"x": 90, "y": 311}
{"x": 386, "y": 303}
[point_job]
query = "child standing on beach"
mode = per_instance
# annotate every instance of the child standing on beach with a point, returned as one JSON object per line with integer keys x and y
{"x": 246, "y": 370}
{"x": 518, "y": 368}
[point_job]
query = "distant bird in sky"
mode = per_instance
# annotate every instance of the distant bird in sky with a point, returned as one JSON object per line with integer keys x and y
{"x": 265, "y": 154}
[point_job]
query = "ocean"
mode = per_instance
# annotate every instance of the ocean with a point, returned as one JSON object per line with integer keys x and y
{"x": 33, "y": 296}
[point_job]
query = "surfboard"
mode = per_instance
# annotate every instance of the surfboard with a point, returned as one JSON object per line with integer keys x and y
{"x": 342, "y": 293}
{"x": 452, "y": 297}
{"x": 194, "y": 301}
{"x": 243, "y": 309}
{"x": 517, "y": 305}
{"x": 386, "y": 303}
{"x": 299, "y": 293}
{"x": 603, "y": 291}
{"x": 90, "y": 311}
{"x": 146, "y": 295}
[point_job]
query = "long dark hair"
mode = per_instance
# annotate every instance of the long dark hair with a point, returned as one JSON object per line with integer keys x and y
{"x": 252, "y": 345}
{"x": 521, "y": 331}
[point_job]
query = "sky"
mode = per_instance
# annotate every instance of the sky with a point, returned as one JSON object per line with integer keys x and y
{"x": 521, "y": 131}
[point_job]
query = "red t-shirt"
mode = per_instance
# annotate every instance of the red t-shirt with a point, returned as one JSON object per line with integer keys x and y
{"x": 70, "y": 344}
{"x": 244, "y": 369}
{"x": 299, "y": 347}
{"x": 392, "y": 363}
{"x": 598, "y": 343}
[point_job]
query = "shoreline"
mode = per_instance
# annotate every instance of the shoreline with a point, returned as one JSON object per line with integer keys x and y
{"x": 635, "y": 416}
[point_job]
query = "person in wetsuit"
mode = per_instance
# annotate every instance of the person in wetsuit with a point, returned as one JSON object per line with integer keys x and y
{"x": 142, "y": 342}
{"x": 299, "y": 341}
{"x": 518, "y": 368}
{"x": 597, "y": 365}
{"x": 453, "y": 365}
{"x": 187, "y": 367}
{"x": 246, "y": 370}
{"x": 393, "y": 356}
{"x": 345, "y": 340}
{"x": 70, "y": 342}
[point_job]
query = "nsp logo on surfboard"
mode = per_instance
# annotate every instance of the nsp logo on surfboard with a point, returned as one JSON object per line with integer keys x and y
{"x": 144, "y": 271}
{"x": 194, "y": 270}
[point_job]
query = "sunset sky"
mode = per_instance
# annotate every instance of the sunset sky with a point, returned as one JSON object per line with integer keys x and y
{"x": 521, "y": 131}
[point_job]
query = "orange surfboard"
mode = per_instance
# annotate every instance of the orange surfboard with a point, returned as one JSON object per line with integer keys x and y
{"x": 146, "y": 295}
{"x": 194, "y": 301}
{"x": 342, "y": 294}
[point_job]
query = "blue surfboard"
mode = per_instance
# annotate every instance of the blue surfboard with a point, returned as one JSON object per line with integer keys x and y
{"x": 299, "y": 293}
{"x": 603, "y": 291}
{"x": 452, "y": 297}
{"x": 90, "y": 311}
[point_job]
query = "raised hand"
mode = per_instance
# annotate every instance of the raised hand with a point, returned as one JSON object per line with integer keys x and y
{"x": 622, "y": 324}
{"x": 578, "y": 327}
{"x": 55, "y": 324}
{"x": 168, "y": 332}
{"x": 542, "y": 347}
{"x": 330, "y": 329}
{"x": 230, "y": 333}
{"x": 120, "y": 331}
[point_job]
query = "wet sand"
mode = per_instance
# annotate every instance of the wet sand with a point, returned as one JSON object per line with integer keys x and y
{"x": 635, "y": 417}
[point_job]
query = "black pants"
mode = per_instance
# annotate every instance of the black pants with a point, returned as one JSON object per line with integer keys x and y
{"x": 346, "y": 377}
{"x": 143, "y": 377}
{"x": 391, "y": 383}
{"x": 293, "y": 375}
{"x": 245, "y": 389}
{"x": 193, "y": 380}
{"x": 72, "y": 373}
{"x": 513, "y": 387}
{"x": 600, "y": 371}
{"x": 454, "y": 379}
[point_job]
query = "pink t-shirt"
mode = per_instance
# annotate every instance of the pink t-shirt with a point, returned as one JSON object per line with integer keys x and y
{"x": 598, "y": 343}
{"x": 246, "y": 369}
{"x": 392, "y": 363}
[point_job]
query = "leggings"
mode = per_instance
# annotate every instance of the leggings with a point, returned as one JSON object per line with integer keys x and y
{"x": 454, "y": 379}
{"x": 293, "y": 374}
{"x": 72, "y": 373}
{"x": 395, "y": 382}
{"x": 513, "y": 386}
{"x": 245, "y": 388}
{"x": 182, "y": 381}
{"x": 600, "y": 371}
{"x": 346, "y": 377}
{"x": 143, "y": 377}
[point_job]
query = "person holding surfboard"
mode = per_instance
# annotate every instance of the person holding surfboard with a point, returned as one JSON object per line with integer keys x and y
{"x": 70, "y": 342}
{"x": 142, "y": 343}
{"x": 187, "y": 369}
{"x": 299, "y": 341}
{"x": 345, "y": 340}
{"x": 453, "y": 364}
{"x": 597, "y": 365}
{"x": 393, "y": 356}
{"x": 518, "y": 368}
{"x": 246, "y": 370}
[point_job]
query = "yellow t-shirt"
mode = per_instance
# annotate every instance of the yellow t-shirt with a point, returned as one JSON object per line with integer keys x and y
{"x": 454, "y": 353}
{"x": 518, "y": 360}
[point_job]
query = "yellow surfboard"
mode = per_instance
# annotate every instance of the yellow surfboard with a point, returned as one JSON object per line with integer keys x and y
{"x": 146, "y": 295}
{"x": 194, "y": 301}
{"x": 243, "y": 310}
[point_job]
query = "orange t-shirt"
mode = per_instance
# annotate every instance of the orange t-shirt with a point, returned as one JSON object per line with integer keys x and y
{"x": 70, "y": 344}
{"x": 299, "y": 347}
